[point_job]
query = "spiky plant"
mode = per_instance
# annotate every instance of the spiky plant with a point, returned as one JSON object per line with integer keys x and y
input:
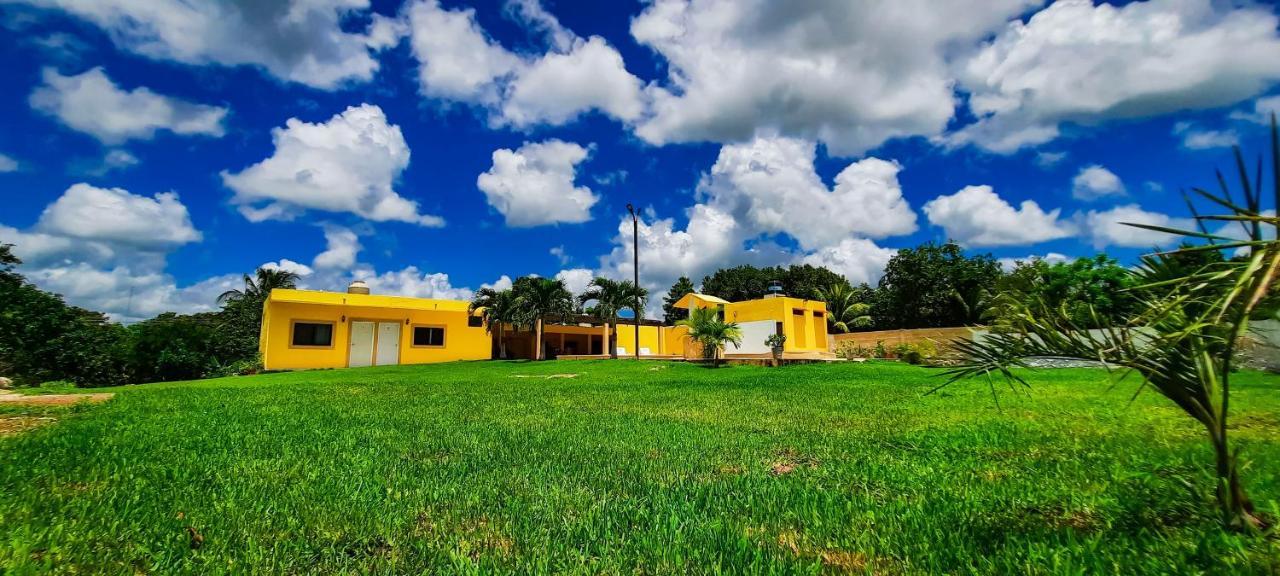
{"x": 1191, "y": 319}
{"x": 497, "y": 308}
{"x": 612, "y": 297}
{"x": 708, "y": 329}
{"x": 844, "y": 311}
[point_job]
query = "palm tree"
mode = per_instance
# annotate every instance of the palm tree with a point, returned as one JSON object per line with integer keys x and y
{"x": 259, "y": 286}
{"x": 708, "y": 329}
{"x": 538, "y": 298}
{"x": 611, "y": 297}
{"x": 497, "y": 308}
{"x": 1183, "y": 339}
{"x": 844, "y": 311}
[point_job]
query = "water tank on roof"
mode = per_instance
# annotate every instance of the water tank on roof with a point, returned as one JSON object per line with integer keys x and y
{"x": 358, "y": 287}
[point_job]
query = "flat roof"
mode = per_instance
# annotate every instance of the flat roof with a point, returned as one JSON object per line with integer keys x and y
{"x": 369, "y": 300}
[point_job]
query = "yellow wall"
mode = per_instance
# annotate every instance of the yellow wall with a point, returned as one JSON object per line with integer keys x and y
{"x": 462, "y": 342}
{"x": 650, "y": 337}
{"x": 804, "y": 331}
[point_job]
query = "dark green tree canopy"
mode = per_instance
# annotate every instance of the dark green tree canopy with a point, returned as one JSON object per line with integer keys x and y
{"x": 671, "y": 314}
{"x": 1093, "y": 292}
{"x": 748, "y": 282}
{"x": 933, "y": 285}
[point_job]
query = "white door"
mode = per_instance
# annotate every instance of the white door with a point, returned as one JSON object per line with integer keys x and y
{"x": 361, "y": 344}
{"x": 388, "y": 343}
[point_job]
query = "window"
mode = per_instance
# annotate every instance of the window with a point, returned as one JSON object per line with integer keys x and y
{"x": 313, "y": 334}
{"x": 818, "y": 315}
{"x": 475, "y": 321}
{"x": 428, "y": 336}
{"x": 798, "y": 311}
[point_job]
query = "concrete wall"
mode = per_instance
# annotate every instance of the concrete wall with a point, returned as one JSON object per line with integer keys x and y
{"x": 753, "y": 337}
{"x": 892, "y": 338}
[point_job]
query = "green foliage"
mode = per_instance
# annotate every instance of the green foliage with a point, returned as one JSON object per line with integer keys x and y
{"x": 1190, "y": 315}
{"x": 611, "y": 297}
{"x": 1093, "y": 292}
{"x": 776, "y": 340}
{"x": 537, "y": 299}
{"x": 464, "y": 468}
{"x": 845, "y": 310}
{"x": 933, "y": 285}
{"x": 746, "y": 282}
{"x": 671, "y": 314}
{"x": 708, "y": 329}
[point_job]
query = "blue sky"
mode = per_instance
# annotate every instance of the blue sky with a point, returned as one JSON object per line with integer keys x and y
{"x": 152, "y": 152}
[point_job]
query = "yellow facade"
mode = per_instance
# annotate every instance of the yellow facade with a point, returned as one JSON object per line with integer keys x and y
{"x": 803, "y": 322}
{"x": 286, "y": 308}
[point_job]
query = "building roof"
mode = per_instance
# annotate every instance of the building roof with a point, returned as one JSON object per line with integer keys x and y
{"x": 369, "y": 300}
{"x": 701, "y": 300}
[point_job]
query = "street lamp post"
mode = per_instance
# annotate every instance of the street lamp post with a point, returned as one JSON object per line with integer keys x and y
{"x": 635, "y": 267}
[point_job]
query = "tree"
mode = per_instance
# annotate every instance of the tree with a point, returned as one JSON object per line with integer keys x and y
{"x": 844, "y": 311}
{"x": 497, "y": 308}
{"x": 933, "y": 285}
{"x": 611, "y": 297}
{"x": 708, "y": 329}
{"x": 259, "y": 286}
{"x": 1094, "y": 291}
{"x": 1190, "y": 315}
{"x": 747, "y": 282}
{"x": 538, "y": 298}
{"x": 671, "y": 314}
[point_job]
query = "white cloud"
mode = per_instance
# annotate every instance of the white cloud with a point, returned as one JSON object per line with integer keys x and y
{"x": 289, "y": 266}
{"x": 1008, "y": 264}
{"x": 459, "y": 62}
{"x": 1196, "y": 138}
{"x": 560, "y": 254}
{"x": 1263, "y": 109}
{"x": 297, "y": 40}
{"x": 129, "y": 295}
{"x": 1094, "y": 182}
{"x": 348, "y": 164}
{"x": 857, "y": 259}
{"x": 534, "y": 185}
{"x": 557, "y": 88}
{"x": 770, "y": 185}
{"x": 502, "y": 283}
{"x": 92, "y": 103}
{"x": 850, "y": 74}
{"x": 1107, "y": 228}
{"x": 341, "y": 247}
{"x": 976, "y": 216}
{"x": 576, "y": 279}
{"x": 413, "y": 282}
{"x": 1077, "y": 62}
{"x": 117, "y": 217}
{"x": 8, "y": 164}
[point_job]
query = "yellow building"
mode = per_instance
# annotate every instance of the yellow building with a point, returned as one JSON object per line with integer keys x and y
{"x": 313, "y": 329}
{"x": 803, "y": 322}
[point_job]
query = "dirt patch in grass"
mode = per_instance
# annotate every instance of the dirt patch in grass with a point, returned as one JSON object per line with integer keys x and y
{"x": 787, "y": 460}
{"x": 16, "y": 424}
{"x": 54, "y": 399}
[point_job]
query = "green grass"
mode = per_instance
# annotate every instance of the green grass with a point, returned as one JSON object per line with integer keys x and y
{"x": 631, "y": 467}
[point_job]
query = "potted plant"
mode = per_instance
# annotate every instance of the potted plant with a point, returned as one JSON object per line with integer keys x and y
{"x": 775, "y": 342}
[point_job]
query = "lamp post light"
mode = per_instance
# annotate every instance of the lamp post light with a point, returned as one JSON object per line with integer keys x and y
{"x": 635, "y": 268}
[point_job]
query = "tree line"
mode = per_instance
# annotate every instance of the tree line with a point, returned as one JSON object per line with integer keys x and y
{"x": 42, "y": 338}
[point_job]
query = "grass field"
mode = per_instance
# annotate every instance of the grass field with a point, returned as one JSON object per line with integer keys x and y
{"x": 638, "y": 468}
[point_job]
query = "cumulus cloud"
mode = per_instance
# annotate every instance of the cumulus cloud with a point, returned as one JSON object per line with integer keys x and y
{"x": 850, "y": 74}
{"x": 411, "y": 281}
{"x": 1094, "y": 182}
{"x": 341, "y": 247}
{"x": 115, "y": 216}
{"x": 857, "y": 259}
{"x": 459, "y": 62}
{"x": 534, "y": 185}
{"x": 349, "y": 164}
{"x": 1046, "y": 159}
{"x": 288, "y": 265}
{"x": 8, "y": 164}
{"x": 1263, "y": 110}
{"x": 1077, "y": 62}
{"x": 92, "y": 103}
{"x": 300, "y": 41}
{"x": 576, "y": 279}
{"x": 770, "y": 185}
{"x": 977, "y": 216}
{"x": 1108, "y": 228}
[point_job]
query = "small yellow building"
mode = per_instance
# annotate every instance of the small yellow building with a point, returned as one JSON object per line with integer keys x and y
{"x": 803, "y": 322}
{"x": 313, "y": 329}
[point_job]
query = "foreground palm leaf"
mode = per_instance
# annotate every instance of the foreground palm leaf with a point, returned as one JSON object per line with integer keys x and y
{"x": 1184, "y": 339}
{"x": 707, "y": 328}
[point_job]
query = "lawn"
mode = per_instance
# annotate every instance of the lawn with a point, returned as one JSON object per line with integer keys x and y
{"x": 639, "y": 468}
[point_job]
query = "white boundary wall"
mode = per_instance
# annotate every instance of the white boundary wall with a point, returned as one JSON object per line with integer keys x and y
{"x": 753, "y": 337}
